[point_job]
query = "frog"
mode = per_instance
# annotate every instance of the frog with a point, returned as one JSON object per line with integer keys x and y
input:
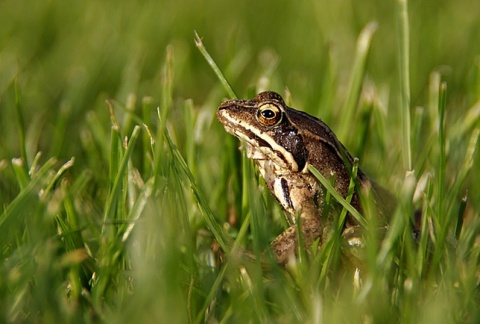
{"x": 285, "y": 143}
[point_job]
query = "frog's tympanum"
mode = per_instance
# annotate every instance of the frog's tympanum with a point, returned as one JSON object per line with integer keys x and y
{"x": 283, "y": 142}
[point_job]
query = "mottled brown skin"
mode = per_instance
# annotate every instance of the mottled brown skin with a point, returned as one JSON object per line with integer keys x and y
{"x": 282, "y": 151}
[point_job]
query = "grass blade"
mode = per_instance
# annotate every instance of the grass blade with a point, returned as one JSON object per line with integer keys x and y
{"x": 121, "y": 173}
{"x": 404, "y": 66}
{"x": 361, "y": 220}
{"x": 205, "y": 209}
{"x": 228, "y": 88}
{"x": 356, "y": 79}
{"x": 21, "y": 125}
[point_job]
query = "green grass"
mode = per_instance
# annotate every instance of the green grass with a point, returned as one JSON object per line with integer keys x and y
{"x": 123, "y": 199}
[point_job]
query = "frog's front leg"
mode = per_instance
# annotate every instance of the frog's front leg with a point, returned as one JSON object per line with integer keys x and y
{"x": 285, "y": 246}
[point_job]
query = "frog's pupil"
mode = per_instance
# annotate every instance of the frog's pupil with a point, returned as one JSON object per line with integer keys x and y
{"x": 268, "y": 114}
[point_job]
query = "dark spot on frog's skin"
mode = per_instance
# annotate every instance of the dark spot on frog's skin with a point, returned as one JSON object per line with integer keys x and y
{"x": 286, "y": 192}
{"x": 293, "y": 143}
{"x": 317, "y": 199}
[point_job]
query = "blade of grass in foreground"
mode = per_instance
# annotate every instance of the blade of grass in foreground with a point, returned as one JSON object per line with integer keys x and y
{"x": 111, "y": 248}
{"x": 356, "y": 79}
{"x": 404, "y": 65}
{"x": 441, "y": 143}
{"x": 228, "y": 88}
{"x": 119, "y": 176}
{"x": 399, "y": 222}
{"x": 20, "y": 173}
{"x": 337, "y": 196}
{"x": 333, "y": 244}
{"x": 21, "y": 127}
{"x": 23, "y": 199}
{"x": 205, "y": 209}
{"x": 442, "y": 218}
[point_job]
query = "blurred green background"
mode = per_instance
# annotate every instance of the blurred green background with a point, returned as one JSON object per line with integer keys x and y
{"x": 69, "y": 56}
{"x": 66, "y": 58}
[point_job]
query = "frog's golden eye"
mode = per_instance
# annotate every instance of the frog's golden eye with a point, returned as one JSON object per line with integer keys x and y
{"x": 269, "y": 115}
